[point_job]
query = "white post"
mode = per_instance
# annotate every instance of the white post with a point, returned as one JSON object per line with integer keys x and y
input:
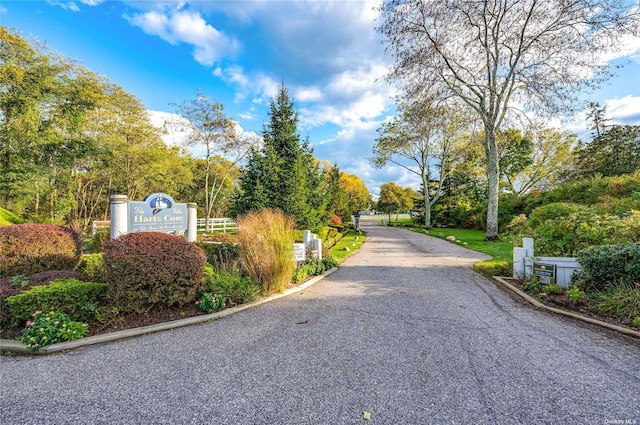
{"x": 119, "y": 215}
{"x": 306, "y": 237}
{"x": 192, "y": 222}
{"x": 518, "y": 263}
{"x": 527, "y": 243}
{"x": 316, "y": 245}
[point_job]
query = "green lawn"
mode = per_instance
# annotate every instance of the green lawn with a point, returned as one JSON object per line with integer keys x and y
{"x": 350, "y": 241}
{"x": 501, "y": 251}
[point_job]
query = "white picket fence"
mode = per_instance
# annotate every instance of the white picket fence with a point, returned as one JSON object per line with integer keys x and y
{"x": 216, "y": 225}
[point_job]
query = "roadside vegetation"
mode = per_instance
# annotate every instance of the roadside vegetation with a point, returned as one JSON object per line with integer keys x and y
{"x": 146, "y": 278}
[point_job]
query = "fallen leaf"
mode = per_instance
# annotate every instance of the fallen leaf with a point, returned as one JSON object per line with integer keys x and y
{"x": 366, "y": 415}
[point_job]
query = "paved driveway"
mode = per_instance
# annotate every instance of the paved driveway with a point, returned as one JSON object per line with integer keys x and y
{"x": 404, "y": 330}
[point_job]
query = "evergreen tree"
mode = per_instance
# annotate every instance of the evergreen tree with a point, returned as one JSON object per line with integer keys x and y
{"x": 283, "y": 174}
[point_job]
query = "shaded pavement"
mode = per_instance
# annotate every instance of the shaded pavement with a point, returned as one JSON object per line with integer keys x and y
{"x": 404, "y": 330}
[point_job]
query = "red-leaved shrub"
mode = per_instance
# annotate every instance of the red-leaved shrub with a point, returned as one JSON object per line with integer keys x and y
{"x": 149, "y": 269}
{"x": 30, "y": 248}
{"x": 335, "y": 220}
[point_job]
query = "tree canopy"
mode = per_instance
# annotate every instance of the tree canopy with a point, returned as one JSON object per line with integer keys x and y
{"x": 495, "y": 54}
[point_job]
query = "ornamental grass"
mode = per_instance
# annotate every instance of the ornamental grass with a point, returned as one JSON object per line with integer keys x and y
{"x": 266, "y": 240}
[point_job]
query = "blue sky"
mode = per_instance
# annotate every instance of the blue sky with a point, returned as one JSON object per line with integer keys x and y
{"x": 327, "y": 53}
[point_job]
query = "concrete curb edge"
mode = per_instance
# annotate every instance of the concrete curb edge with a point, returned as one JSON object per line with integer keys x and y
{"x": 15, "y": 346}
{"x": 539, "y": 305}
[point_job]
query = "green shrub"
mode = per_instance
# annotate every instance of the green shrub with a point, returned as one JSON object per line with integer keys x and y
{"x": 148, "y": 269}
{"x": 234, "y": 287}
{"x": 221, "y": 255}
{"x": 210, "y": 302}
{"x": 92, "y": 266}
{"x": 266, "y": 248}
{"x": 31, "y": 248}
{"x": 607, "y": 266}
{"x": 636, "y": 322}
{"x": 102, "y": 235}
{"x": 553, "y": 289}
{"x": 70, "y": 296}
{"x": 533, "y": 286}
{"x": 494, "y": 267}
{"x": 329, "y": 262}
{"x": 621, "y": 302}
{"x": 575, "y": 295}
{"x": 49, "y": 328}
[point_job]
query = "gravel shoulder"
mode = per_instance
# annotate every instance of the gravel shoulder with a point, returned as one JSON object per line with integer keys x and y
{"x": 404, "y": 329}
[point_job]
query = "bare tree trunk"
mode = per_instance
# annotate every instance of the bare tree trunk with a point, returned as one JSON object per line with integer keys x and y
{"x": 493, "y": 174}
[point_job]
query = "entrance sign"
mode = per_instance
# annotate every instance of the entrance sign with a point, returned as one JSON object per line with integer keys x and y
{"x": 158, "y": 212}
{"x": 544, "y": 270}
{"x": 299, "y": 252}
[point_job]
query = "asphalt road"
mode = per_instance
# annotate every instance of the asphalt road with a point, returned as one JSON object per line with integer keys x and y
{"x": 404, "y": 330}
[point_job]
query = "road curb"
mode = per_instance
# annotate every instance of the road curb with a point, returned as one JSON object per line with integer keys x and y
{"x": 541, "y": 306}
{"x": 15, "y": 346}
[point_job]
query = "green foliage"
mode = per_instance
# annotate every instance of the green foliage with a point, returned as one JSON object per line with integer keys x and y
{"x": 636, "y": 322}
{"x": 92, "y": 266}
{"x": 620, "y": 301}
{"x": 494, "y": 267}
{"x": 221, "y": 255}
{"x": 101, "y": 236}
{"x": 532, "y": 286}
{"x": 70, "y": 296}
{"x": 266, "y": 248}
{"x": 283, "y": 174}
{"x": 313, "y": 267}
{"x": 553, "y": 289}
{"x": 30, "y": 248}
{"x": 210, "y": 302}
{"x": 49, "y": 328}
{"x": 563, "y": 229}
{"x": 148, "y": 269}
{"x": 614, "y": 152}
{"x": 7, "y": 218}
{"x": 576, "y": 295}
{"x": 232, "y": 286}
{"x": 608, "y": 266}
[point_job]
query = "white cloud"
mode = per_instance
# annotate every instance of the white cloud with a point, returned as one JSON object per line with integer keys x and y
{"x": 67, "y": 5}
{"x": 176, "y": 26}
{"x": 91, "y": 2}
{"x": 625, "y": 110}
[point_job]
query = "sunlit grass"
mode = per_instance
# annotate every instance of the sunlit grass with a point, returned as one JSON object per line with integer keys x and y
{"x": 346, "y": 246}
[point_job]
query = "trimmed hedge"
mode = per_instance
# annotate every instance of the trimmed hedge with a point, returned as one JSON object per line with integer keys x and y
{"x": 607, "y": 266}
{"x": 70, "y": 296}
{"x": 148, "y": 269}
{"x": 31, "y": 248}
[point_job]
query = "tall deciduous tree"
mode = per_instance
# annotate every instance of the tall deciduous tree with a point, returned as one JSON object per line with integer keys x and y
{"x": 421, "y": 139}
{"x": 347, "y": 193}
{"x": 283, "y": 174}
{"x": 206, "y": 125}
{"x": 394, "y": 198}
{"x": 492, "y": 54}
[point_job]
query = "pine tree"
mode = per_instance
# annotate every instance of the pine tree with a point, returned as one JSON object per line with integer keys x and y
{"x": 284, "y": 174}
